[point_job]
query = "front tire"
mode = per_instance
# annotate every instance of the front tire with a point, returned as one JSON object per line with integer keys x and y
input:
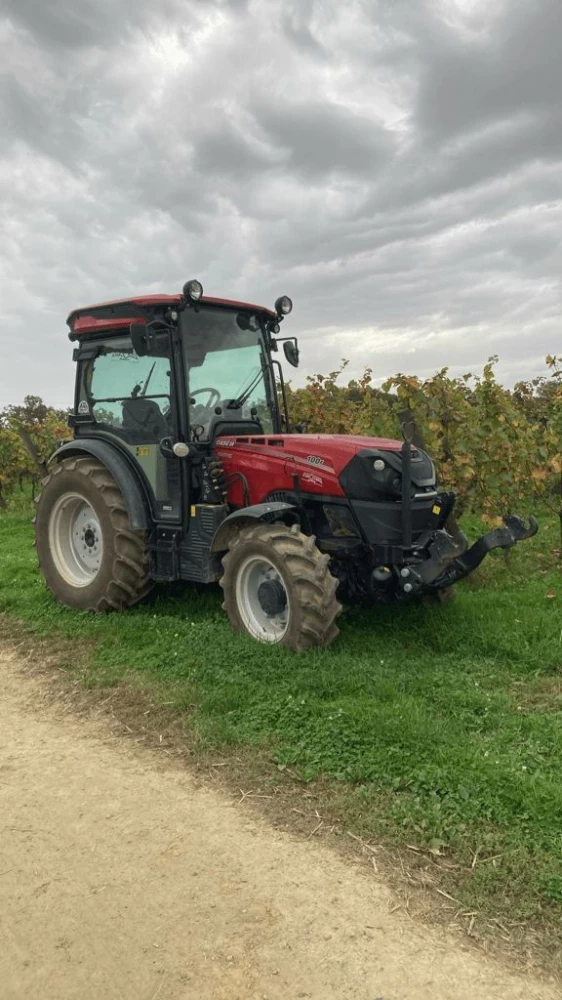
{"x": 88, "y": 553}
{"x": 278, "y": 587}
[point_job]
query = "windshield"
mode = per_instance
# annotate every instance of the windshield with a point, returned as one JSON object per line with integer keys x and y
{"x": 229, "y": 375}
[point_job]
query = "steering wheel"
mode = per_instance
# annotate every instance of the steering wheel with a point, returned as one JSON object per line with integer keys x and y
{"x": 214, "y": 396}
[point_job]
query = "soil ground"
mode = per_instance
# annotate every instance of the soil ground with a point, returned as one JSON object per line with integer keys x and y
{"x": 123, "y": 879}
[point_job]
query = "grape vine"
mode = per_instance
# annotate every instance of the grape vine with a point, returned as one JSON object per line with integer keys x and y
{"x": 500, "y": 449}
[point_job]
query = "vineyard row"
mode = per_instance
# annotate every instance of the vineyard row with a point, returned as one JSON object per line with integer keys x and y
{"x": 495, "y": 446}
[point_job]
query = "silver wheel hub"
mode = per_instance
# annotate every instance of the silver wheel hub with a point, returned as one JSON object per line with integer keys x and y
{"x": 75, "y": 540}
{"x": 262, "y": 599}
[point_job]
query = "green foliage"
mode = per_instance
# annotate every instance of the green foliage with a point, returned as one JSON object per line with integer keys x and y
{"x": 499, "y": 449}
{"x": 356, "y": 408}
{"x": 41, "y": 426}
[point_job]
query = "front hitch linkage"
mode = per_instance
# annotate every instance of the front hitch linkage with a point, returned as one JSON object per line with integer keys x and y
{"x": 513, "y": 530}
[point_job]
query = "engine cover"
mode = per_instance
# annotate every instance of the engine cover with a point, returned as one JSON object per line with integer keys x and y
{"x": 336, "y": 465}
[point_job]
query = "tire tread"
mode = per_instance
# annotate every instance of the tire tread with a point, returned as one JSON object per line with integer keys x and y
{"x": 308, "y": 570}
{"x": 129, "y": 579}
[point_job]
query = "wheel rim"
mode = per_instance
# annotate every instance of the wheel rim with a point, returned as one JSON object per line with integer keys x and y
{"x": 75, "y": 540}
{"x": 260, "y": 589}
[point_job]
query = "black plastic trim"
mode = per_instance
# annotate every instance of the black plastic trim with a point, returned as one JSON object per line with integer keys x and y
{"x": 134, "y": 495}
{"x": 360, "y": 480}
{"x": 268, "y": 512}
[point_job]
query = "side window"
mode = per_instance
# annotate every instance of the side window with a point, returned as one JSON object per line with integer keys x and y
{"x": 128, "y": 394}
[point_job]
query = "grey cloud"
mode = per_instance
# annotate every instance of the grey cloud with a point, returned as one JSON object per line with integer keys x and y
{"x": 227, "y": 151}
{"x": 24, "y": 116}
{"x": 515, "y": 68}
{"x": 480, "y": 159}
{"x": 397, "y": 170}
{"x": 80, "y": 24}
{"x": 322, "y": 138}
{"x": 296, "y": 25}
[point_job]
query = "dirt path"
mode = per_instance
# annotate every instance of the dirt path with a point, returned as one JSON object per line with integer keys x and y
{"x": 122, "y": 880}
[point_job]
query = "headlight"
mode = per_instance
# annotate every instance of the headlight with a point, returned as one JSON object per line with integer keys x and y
{"x": 283, "y": 305}
{"x": 379, "y": 464}
{"x": 193, "y": 290}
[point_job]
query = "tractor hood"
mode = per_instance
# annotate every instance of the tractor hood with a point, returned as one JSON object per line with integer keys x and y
{"x": 329, "y": 464}
{"x": 329, "y": 451}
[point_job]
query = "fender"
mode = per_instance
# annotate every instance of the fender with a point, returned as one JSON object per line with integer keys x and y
{"x": 132, "y": 490}
{"x": 267, "y": 512}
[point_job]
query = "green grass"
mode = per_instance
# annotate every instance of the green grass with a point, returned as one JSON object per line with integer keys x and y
{"x": 437, "y": 727}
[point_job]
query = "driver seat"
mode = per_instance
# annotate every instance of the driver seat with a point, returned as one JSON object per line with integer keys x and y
{"x": 144, "y": 421}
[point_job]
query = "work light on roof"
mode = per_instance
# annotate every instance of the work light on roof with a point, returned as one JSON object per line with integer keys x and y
{"x": 283, "y": 305}
{"x": 193, "y": 290}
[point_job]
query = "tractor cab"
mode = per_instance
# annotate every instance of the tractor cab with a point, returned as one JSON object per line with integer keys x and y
{"x": 162, "y": 377}
{"x": 146, "y": 357}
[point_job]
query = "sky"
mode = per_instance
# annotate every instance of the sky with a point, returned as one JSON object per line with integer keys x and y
{"x": 395, "y": 166}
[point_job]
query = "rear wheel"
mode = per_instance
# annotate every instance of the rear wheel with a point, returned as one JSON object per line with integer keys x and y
{"x": 278, "y": 588}
{"x": 88, "y": 553}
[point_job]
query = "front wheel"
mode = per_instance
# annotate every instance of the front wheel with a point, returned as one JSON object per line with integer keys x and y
{"x": 278, "y": 587}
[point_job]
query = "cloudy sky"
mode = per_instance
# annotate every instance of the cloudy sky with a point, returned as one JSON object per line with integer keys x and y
{"x": 393, "y": 165}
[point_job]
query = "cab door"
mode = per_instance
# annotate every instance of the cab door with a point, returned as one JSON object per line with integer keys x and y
{"x": 130, "y": 400}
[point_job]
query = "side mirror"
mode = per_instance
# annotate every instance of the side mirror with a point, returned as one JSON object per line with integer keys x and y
{"x": 139, "y": 338}
{"x": 291, "y": 352}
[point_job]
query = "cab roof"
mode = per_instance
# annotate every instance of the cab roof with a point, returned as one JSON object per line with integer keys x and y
{"x": 119, "y": 314}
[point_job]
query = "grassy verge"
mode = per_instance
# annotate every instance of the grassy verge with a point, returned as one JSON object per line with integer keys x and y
{"x": 437, "y": 728}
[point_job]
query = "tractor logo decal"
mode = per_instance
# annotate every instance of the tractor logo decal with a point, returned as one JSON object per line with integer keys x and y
{"x": 311, "y": 477}
{"x": 83, "y": 406}
{"x": 315, "y": 460}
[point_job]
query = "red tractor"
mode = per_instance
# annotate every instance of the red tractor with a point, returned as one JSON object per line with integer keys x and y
{"x": 183, "y": 466}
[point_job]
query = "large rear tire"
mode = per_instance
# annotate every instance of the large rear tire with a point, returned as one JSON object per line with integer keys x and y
{"x": 278, "y": 587}
{"x": 88, "y": 553}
